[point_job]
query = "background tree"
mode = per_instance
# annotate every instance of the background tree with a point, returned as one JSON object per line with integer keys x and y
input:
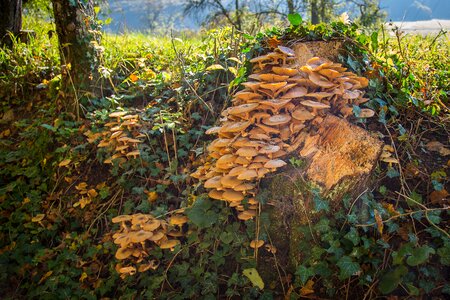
{"x": 78, "y": 45}
{"x": 369, "y": 12}
{"x": 10, "y": 18}
{"x": 232, "y": 11}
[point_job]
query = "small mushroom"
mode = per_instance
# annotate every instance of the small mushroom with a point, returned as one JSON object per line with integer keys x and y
{"x": 255, "y": 244}
{"x": 169, "y": 244}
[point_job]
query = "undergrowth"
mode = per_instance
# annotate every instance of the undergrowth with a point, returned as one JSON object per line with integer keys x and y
{"x": 57, "y": 197}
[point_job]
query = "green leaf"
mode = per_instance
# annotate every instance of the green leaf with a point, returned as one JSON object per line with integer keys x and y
{"x": 295, "y": 19}
{"x": 353, "y": 236}
{"x": 392, "y": 279}
{"x": 304, "y": 273}
{"x": 444, "y": 254}
{"x": 321, "y": 204}
{"x": 347, "y": 266}
{"x": 253, "y": 275}
{"x": 414, "y": 198}
{"x": 412, "y": 290}
{"x": 226, "y": 237}
{"x": 200, "y": 213}
{"x": 215, "y": 67}
{"x": 323, "y": 225}
{"x": 419, "y": 255}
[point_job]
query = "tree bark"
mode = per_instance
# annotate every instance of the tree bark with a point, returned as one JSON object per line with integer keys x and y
{"x": 314, "y": 12}
{"x": 290, "y": 5}
{"x": 75, "y": 22}
{"x": 10, "y": 19}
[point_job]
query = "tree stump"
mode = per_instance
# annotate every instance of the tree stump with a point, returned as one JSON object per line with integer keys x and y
{"x": 337, "y": 160}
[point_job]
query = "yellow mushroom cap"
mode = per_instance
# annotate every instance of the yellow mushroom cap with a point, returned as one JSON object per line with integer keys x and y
{"x": 248, "y": 175}
{"x": 256, "y": 244}
{"x": 117, "y": 114}
{"x": 153, "y": 225}
{"x": 139, "y": 218}
{"x": 215, "y": 194}
{"x": 140, "y": 236}
{"x": 158, "y": 235}
{"x": 302, "y": 115}
{"x": 122, "y": 239}
{"x": 121, "y": 218}
{"x": 232, "y": 196}
{"x": 284, "y": 71}
{"x": 269, "y": 77}
{"x": 277, "y": 120}
{"x": 286, "y": 50}
{"x": 314, "y": 104}
{"x": 274, "y": 163}
{"x": 123, "y": 253}
{"x": 295, "y": 93}
{"x": 244, "y": 187}
{"x": 178, "y": 220}
{"x": 247, "y": 152}
{"x": 169, "y": 244}
{"x": 243, "y": 108}
{"x": 213, "y": 183}
{"x": 228, "y": 181}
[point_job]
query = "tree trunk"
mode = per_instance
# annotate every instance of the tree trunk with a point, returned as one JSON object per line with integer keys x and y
{"x": 77, "y": 44}
{"x": 238, "y": 15}
{"x": 290, "y": 5}
{"x": 10, "y": 19}
{"x": 314, "y": 12}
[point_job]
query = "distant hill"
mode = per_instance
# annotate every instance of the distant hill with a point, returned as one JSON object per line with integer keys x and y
{"x": 416, "y": 10}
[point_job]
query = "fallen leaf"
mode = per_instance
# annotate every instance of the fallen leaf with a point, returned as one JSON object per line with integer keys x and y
{"x": 379, "y": 221}
{"x": 253, "y": 275}
{"x": 436, "y": 146}
{"x": 81, "y": 186}
{"x": 46, "y": 275}
{"x": 38, "y": 218}
{"x": 92, "y": 193}
{"x": 134, "y": 78}
{"x": 436, "y": 197}
{"x": 152, "y": 196}
{"x": 308, "y": 288}
{"x": 64, "y": 163}
{"x": 215, "y": 67}
{"x": 83, "y": 277}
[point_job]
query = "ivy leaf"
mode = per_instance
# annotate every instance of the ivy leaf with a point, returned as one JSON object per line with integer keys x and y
{"x": 321, "y": 204}
{"x": 412, "y": 290}
{"x": 347, "y": 266}
{"x": 392, "y": 279}
{"x": 353, "y": 236}
{"x": 419, "y": 255}
{"x": 323, "y": 225}
{"x": 304, "y": 273}
{"x": 444, "y": 254}
{"x": 201, "y": 214}
{"x": 295, "y": 19}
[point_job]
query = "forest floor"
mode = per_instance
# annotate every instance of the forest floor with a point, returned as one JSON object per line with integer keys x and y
{"x": 60, "y": 188}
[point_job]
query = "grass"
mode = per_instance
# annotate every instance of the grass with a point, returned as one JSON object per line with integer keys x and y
{"x": 56, "y": 243}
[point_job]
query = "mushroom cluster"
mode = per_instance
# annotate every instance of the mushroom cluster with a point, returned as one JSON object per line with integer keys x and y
{"x": 122, "y": 137}
{"x": 271, "y": 118}
{"x": 139, "y": 233}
